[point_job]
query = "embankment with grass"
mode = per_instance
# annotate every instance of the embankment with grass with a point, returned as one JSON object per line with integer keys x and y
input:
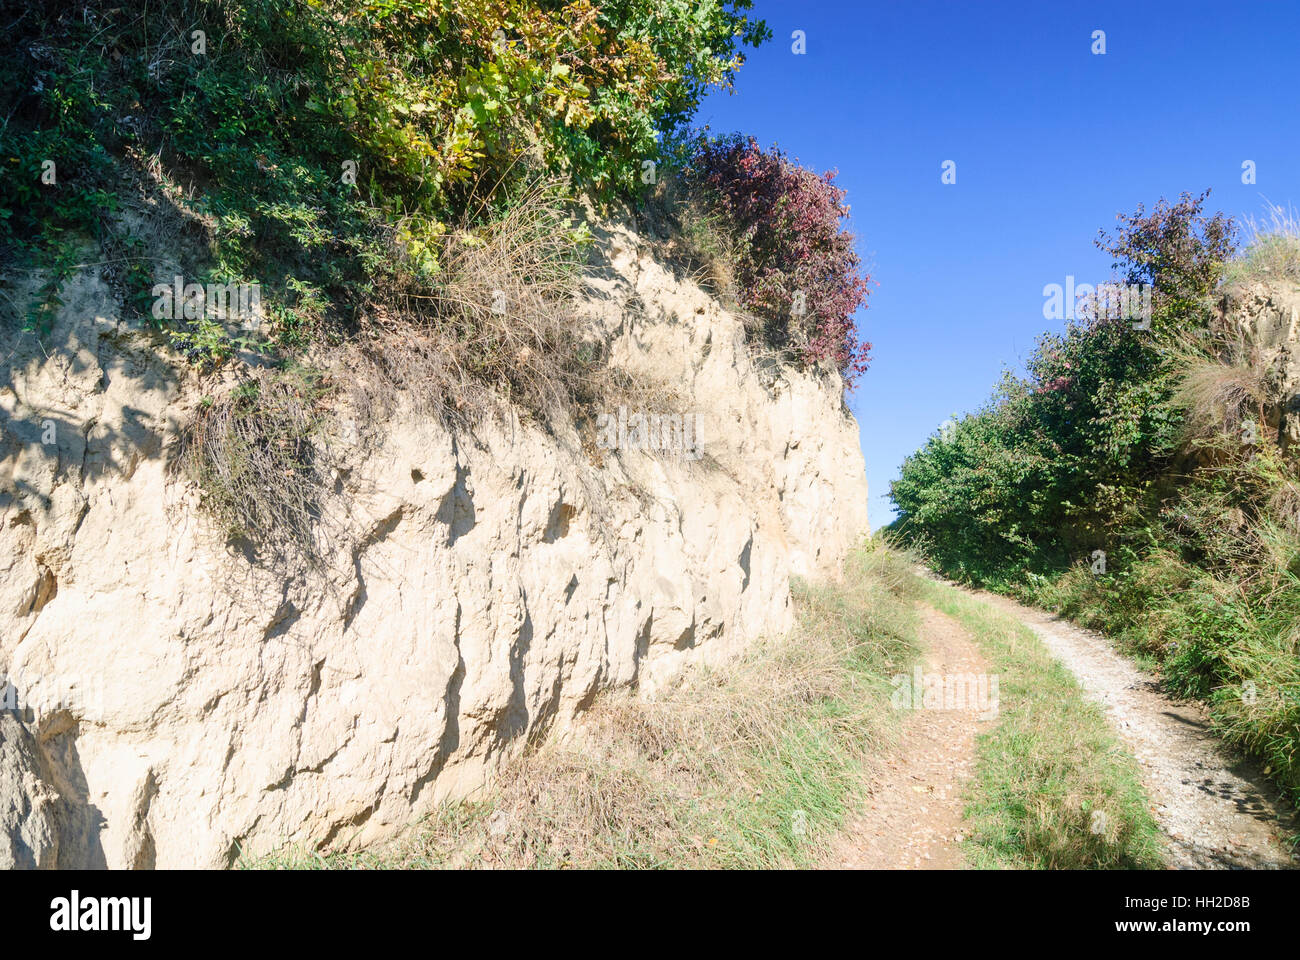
{"x": 1143, "y": 477}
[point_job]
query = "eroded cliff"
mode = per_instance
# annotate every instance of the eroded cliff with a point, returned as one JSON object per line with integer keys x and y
{"x": 175, "y": 704}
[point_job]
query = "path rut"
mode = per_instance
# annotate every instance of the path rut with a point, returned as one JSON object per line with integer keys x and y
{"x": 1216, "y": 809}
{"x": 912, "y": 819}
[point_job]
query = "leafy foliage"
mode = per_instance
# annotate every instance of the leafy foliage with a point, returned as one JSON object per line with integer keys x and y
{"x": 1129, "y": 441}
{"x": 258, "y": 105}
{"x": 1176, "y": 249}
{"x": 1066, "y": 459}
{"x": 796, "y": 267}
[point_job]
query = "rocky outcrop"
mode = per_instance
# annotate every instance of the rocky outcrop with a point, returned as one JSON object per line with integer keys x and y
{"x": 173, "y": 705}
{"x": 1266, "y": 318}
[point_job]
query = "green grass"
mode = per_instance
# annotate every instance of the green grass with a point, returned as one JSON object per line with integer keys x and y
{"x": 1210, "y": 639}
{"x": 1054, "y": 788}
{"x": 752, "y": 765}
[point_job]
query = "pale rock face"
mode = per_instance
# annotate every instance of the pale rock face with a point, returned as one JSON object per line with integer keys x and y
{"x": 1268, "y": 316}
{"x": 175, "y": 705}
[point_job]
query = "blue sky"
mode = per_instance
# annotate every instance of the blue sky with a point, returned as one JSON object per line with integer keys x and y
{"x": 1050, "y": 142}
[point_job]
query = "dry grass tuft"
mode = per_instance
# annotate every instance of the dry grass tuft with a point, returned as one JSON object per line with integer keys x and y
{"x": 699, "y": 242}
{"x": 1221, "y": 386}
{"x": 1221, "y": 397}
{"x": 501, "y": 326}
{"x": 1284, "y": 507}
{"x": 258, "y": 458}
{"x": 500, "y": 320}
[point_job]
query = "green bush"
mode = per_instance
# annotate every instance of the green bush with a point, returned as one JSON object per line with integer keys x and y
{"x": 1112, "y": 484}
{"x": 316, "y": 139}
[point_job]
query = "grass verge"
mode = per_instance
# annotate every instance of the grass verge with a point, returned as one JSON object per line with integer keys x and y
{"x": 1054, "y": 788}
{"x": 751, "y": 765}
{"x": 1208, "y": 638}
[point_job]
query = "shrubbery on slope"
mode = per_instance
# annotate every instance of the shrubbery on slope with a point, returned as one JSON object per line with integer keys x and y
{"x": 795, "y": 265}
{"x": 398, "y": 179}
{"x": 326, "y": 151}
{"x": 1112, "y": 482}
{"x": 326, "y": 144}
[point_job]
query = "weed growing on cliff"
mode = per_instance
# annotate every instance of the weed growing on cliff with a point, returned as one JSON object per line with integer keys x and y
{"x": 1219, "y": 389}
{"x": 258, "y": 460}
{"x": 500, "y": 322}
{"x": 1271, "y": 250}
{"x": 503, "y": 307}
{"x": 693, "y": 235}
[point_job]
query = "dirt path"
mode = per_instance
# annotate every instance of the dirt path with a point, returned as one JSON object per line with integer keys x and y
{"x": 1217, "y": 810}
{"x": 913, "y": 818}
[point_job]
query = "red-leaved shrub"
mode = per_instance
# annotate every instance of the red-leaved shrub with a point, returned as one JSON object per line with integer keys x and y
{"x": 797, "y": 269}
